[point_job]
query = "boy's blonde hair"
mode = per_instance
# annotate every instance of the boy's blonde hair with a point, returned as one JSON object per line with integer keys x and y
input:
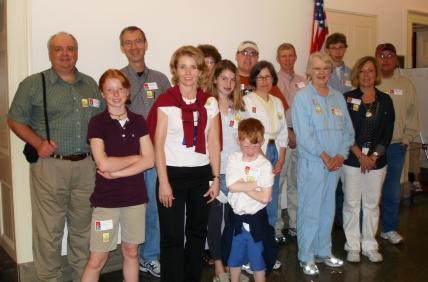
{"x": 252, "y": 129}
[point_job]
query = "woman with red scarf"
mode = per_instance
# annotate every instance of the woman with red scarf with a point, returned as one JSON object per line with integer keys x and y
{"x": 184, "y": 124}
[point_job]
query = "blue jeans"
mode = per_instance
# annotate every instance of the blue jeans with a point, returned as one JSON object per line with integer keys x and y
{"x": 150, "y": 250}
{"x": 391, "y": 191}
{"x": 272, "y": 207}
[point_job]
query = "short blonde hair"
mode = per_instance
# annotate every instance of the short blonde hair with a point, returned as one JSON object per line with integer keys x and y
{"x": 318, "y": 55}
{"x": 199, "y": 58}
{"x": 359, "y": 65}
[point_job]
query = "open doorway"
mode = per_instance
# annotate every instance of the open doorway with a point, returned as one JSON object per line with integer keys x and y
{"x": 419, "y": 45}
{"x": 417, "y": 39}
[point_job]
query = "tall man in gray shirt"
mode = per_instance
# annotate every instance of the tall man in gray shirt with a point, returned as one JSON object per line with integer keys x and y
{"x": 146, "y": 85}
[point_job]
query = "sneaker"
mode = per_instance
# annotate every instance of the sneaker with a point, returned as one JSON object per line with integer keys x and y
{"x": 330, "y": 261}
{"x": 247, "y": 268}
{"x": 392, "y": 236}
{"x": 280, "y": 240}
{"x": 222, "y": 277}
{"x": 292, "y": 232}
{"x": 242, "y": 278}
{"x": 373, "y": 255}
{"x": 153, "y": 267}
{"x": 353, "y": 256}
{"x": 309, "y": 268}
{"x": 277, "y": 265}
{"x": 416, "y": 186}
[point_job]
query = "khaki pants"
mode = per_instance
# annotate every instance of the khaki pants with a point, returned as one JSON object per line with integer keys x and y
{"x": 60, "y": 194}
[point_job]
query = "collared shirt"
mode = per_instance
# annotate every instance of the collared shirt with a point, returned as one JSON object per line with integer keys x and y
{"x": 321, "y": 123}
{"x": 70, "y": 106}
{"x": 289, "y": 85}
{"x": 403, "y": 95}
{"x": 119, "y": 141}
{"x": 340, "y": 79}
{"x": 265, "y": 112}
{"x": 145, "y": 88}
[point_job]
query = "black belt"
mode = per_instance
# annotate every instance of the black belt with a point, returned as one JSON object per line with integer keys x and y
{"x": 73, "y": 158}
{"x": 271, "y": 141}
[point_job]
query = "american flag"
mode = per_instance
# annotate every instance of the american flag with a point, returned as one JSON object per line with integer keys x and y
{"x": 319, "y": 28}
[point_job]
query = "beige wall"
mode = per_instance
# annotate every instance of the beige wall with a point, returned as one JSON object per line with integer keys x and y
{"x": 168, "y": 24}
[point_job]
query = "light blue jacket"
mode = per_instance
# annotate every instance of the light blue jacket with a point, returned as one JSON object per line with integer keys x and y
{"x": 321, "y": 124}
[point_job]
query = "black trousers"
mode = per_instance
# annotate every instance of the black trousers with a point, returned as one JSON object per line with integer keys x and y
{"x": 182, "y": 260}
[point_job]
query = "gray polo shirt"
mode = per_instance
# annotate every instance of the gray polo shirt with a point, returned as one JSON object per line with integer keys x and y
{"x": 145, "y": 88}
{"x": 70, "y": 106}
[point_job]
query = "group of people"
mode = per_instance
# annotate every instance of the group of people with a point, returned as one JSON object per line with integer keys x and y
{"x": 172, "y": 165}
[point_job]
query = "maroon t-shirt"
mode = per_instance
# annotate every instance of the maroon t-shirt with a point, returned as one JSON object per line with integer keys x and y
{"x": 118, "y": 142}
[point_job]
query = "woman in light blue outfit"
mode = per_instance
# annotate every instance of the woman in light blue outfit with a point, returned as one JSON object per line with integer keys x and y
{"x": 324, "y": 135}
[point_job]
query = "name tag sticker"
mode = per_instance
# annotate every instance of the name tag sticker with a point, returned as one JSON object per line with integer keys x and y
{"x": 336, "y": 112}
{"x": 95, "y": 103}
{"x": 103, "y": 225}
{"x": 356, "y": 101}
{"x": 151, "y": 86}
{"x": 300, "y": 85}
{"x": 347, "y": 83}
{"x": 396, "y": 91}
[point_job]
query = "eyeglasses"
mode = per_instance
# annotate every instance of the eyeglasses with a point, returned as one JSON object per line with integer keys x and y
{"x": 209, "y": 61}
{"x": 263, "y": 78}
{"x": 137, "y": 42}
{"x": 247, "y": 53}
{"x": 341, "y": 48}
{"x": 386, "y": 56}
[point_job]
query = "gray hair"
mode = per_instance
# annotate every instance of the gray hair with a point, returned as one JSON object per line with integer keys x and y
{"x": 61, "y": 33}
{"x": 318, "y": 55}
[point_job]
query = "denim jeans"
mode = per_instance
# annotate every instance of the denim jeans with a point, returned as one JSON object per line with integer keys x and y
{"x": 392, "y": 188}
{"x": 272, "y": 207}
{"x": 150, "y": 250}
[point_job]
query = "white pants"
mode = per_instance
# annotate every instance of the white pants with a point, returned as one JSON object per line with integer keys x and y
{"x": 361, "y": 190}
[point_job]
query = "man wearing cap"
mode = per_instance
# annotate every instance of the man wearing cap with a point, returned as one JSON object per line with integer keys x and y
{"x": 289, "y": 83}
{"x": 246, "y": 57}
{"x": 406, "y": 128}
{"x": 146, "y": 85}
{"x": 63, "y": 177}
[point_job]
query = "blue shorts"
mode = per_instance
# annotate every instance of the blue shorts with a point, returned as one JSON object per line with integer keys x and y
{"x": 245, "y": 250}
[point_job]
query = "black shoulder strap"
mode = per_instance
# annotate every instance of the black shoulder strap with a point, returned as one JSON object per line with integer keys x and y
{"x": 48, "y": 137}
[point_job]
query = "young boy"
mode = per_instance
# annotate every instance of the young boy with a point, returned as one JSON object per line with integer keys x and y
{"x": 249, "y": 179}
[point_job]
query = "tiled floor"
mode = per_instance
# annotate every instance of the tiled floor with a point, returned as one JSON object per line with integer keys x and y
{"x": 403, "y": 263}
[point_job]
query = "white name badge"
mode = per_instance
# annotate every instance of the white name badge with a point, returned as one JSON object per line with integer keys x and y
{"x": 300, "y": 84}
{"x": 103, "y": 225}
{"x": 347, "y": 83}
{"x": 95, "y": 103}
{"x": 337, "y": 112}
{"x": 396, "y": 91}
{"x": 356, "y": 101}
{"x": 151, "y": 86}
{"x": 365, "y": 150}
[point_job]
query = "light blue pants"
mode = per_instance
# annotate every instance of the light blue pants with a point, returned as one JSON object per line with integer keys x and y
{"x": 315, "y": 209}
{"x": 150, "y": 250}
{"x": 272, "y": 207}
